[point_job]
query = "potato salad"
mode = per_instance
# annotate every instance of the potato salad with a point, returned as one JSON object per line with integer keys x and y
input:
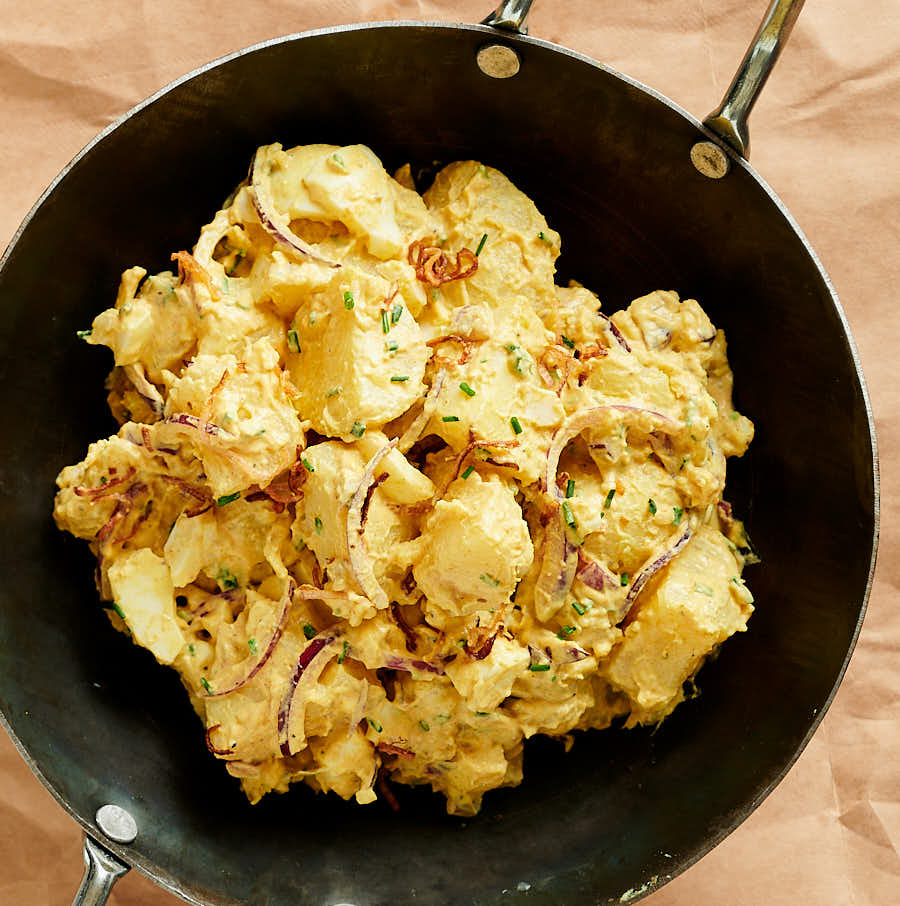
{"x": 390, "y": 500}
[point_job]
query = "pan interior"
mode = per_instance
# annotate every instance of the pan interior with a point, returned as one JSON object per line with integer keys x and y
{"x": 608, "y": 164}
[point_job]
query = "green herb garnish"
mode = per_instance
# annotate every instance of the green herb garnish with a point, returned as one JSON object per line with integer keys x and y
{"x": 424, "y": 726}
{"x": 396, "y": 311}
{"x": 516, "y": 426}
{"x": 565, "y": 632}
{"x": 118, "y": 610}
{"x": 374, "y": 725}
{"x": 609, "y": 498}
{"x": 679, "y": 512}
{"x": 227, "y": 498}
{"x": 307, "y": 464}
{"x": 399, "y": 379}
{"x": 318, "y": 524}
{"x": 449, "y": 418}
{"x": 293, "y": 340}
{"x": 392, "y": 346}
{"x": 539, "y": 668}
{"x": 385, "y": 322}
{"x": 481, "y": 245}
{"x": 251, "y": 644}
{"x": 333, "y": 392}
{"x": 568, "y": 515}
{"x": 205, "y": 683}
{"x": 623, "y": 579}
{"x": 309, "y": 630}
{"x": 567, "y": 341}
{"x": 226, "y": 579}
{"x": 339, "y": 160}
{"x": 358, "y": 429}
{"x": 344, "y": 651}
{"x": 651, "y": 505}
{"x": 466, "y": 389}
{"x": 348, "y": 300}
{"x": 468, "y": 471}
{"x": 570, "y": 488}
{"x": 489, "y": 580}
{"x": 191, "y": 649}
{"x": 579, "y": 608}
{"x": 81, "y": 334}
{"x": 703, "y": 589}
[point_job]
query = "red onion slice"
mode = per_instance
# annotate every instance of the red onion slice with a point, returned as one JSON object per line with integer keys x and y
{"x": 592, "y": 574}
{"x": 388, "y": 748}
{"x": 648, "y": 571}
{"x": 615, "y": 332}
{"x": 592, "y": 418}
{"x": 358, "y": 555}
{"x": 276, "y": 636}
{"x": 405, "y": 628}
{"x": 420, "y": 422}
{"x": 310, "y": 665}
{"x": 209, "y": 742}
{"x": 411, "y": 666}
{"x": 271, "y": 220}
{"x": 108, "y": 487}
{"x": 558, "y": 567}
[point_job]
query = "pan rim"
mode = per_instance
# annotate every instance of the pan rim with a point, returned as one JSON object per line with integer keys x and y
{"x": 145, "y": 865}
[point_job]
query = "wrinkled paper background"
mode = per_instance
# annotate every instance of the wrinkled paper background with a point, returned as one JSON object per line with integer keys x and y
{"x": 825, "y": 136}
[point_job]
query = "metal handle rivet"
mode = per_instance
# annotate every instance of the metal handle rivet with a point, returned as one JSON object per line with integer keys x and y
{"x": 498, "y": 61}
{"x": 116, "y": 823}
{"x": 710, "y": 160}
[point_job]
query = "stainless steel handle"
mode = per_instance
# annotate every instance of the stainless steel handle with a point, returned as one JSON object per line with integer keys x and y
{"x": 510, "y": 15}
{"x": 101, "y": 870}
{"x": 729, "y": 119}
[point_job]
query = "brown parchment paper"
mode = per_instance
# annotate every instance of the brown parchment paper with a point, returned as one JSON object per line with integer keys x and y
{"x": 826, "y": 136}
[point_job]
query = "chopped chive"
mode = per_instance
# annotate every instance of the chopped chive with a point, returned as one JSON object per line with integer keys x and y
{"x": 488, "y": 579}
{"x": 511, "y": 347}
{"x": 309, "y": 630}
{"x": 307, "y": 464}
{"x": 374, "y": 725}
{"x": 468, "y": 471}
{"x": 339, "y": 160}
{"x": 482, "y": 713}
{"x": 392, "y": 346}
{"x": 623, "y": 579}
{"x": 539, "y": 668}
{"x": 734, "y": 416}
{"x": 424, "y": 726}
{"x": 679, "y": 512}
{"x": 81, "y": 334}
{"x": 565, "y": 632}
{"x": 609, "y": 498}
{"x": 567, "y": 341}
{"x": 191, "y": 649}
{"x": 579, "y": 608}
{"x": 568, "y": 515}
{"x": 226, "y": 579}
{"x": 344, "y": 651}
{"x": 651, "y": 505}
{"x": 293, "y": 340}
{"x": 684, "y": 461}
{"x": 299, "y": 544}
{"x": 481, "y": 245}
{"x": 399, "y": 379}
{"x": 118, "y": 610}
{"x": 396, "y": 312}
{"x": 570, "y": 488}
{"x": 333, "y": 392}
{"x": 227, "y": 498}
{"x": 542, "y": 237}
{"x": 358, "y": 429}
{"x": 205, "y": 683}
{"x": 318, "y": 524}
{"x": 449, "y": 418}
{"x": 348, "y": 300}
{"x": 516, "y": 426}
{"x": 466, "y": 389}
{"x": 312, "y": 318}
{"x": 703, "y": 589}
{"x": 385, "y": 322}
{"x": 251, "y": 644}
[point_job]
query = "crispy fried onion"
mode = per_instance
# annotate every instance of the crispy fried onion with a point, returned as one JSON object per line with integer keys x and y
{"x": 358, "y": 555}
{"x": 465, "y": 347}
{"x": 477, "y": 444}
{"x": 271, "y": 219}
{"x": 192, "y": 272}
{"x": 555, "y": 367}
{"x": 124, "y": 503}
{"x": 264, "y": 657}
{"x": 432, "y": 263}
{"x": 200, "y": 495}
{"x": 288, "y": 486}
{"x": 420, "y": 422}
{"x": 312, "y": 661}
{"x": 209, "y": 742}
{"x": 110, "y": 486}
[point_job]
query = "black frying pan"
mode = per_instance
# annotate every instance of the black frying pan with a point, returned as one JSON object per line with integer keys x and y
{"x": 610, "y": 164}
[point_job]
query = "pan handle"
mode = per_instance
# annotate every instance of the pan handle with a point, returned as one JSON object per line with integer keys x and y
{"x": 101, "y": 870}
{"x": 510, "y": 15}
{"x": 729, "y": 119}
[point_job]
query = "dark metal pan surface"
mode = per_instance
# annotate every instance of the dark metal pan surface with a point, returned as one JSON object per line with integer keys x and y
{"x": 608, "y": 162}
